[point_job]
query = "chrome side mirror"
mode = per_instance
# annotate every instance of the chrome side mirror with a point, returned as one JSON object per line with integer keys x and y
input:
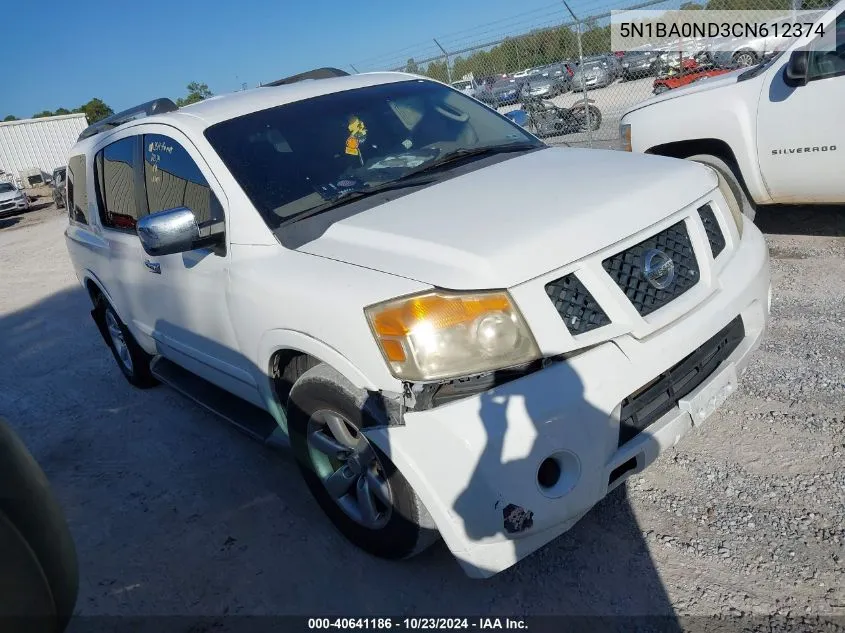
{"x": 176, "y": 231}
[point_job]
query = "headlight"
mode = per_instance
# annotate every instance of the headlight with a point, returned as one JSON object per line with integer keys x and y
{"x": 625, "y": 137}
{"x": 442, "y": 334}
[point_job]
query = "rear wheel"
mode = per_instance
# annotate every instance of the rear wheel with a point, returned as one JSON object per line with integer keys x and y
{"x": 132, "y": 360}
{"x": 729, "y": 183}
{"x": 744, "y": 58}
{"x": 354, "y": 482}
{"x": 661, "y": 89}
{"x": 593, "y": 122}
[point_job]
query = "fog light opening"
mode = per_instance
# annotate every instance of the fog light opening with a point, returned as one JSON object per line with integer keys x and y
{"x": 549, "y": 473}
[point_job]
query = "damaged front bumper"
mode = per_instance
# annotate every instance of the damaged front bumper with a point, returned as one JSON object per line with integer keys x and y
{"x": 505, "y": 471}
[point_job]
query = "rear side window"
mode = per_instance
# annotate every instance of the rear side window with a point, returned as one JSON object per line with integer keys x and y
{"x": 116, "y": 182}
{"x": 77, "y": 192}
{"x": 174, "y": 180}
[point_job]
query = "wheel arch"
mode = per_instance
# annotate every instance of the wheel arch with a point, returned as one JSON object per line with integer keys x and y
{"x": 713, "y": 146}
{"x": 279, "y": 348}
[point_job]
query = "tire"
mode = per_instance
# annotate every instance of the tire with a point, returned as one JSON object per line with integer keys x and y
{"x": 401, "y": 526}
{"x": 659, "y": 90}
{"x": 39, "y": 577}
{"x": 730, "y": 183}
{"x": 132, "y": 360}
{"x": 743, "y": 59}
{"x": 595, "y": 118}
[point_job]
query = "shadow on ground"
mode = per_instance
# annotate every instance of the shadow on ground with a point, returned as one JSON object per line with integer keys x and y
{"x": 825, "y": 221}
{"x": 174, "y": 512}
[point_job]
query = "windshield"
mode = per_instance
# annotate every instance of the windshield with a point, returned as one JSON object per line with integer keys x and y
{"x": 5, "y": 187}
{"x": 461, "y": 85}
{"x": 592, "y": 65}
{"x": 296, "y": 157}
{"x": 507, "y": 84}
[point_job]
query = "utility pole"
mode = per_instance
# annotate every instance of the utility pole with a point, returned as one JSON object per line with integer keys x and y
{"x": 581, "y": 64}
{"x": 446, "y": 56}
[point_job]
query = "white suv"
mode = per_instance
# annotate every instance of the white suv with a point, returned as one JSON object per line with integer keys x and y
{"x": 375, "y": 267}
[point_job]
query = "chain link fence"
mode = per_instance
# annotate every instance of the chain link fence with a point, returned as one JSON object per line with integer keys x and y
{"x": 539, "y": 67}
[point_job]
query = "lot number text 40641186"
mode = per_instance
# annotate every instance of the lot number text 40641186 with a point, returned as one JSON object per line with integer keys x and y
{"x": 429, "y": 624}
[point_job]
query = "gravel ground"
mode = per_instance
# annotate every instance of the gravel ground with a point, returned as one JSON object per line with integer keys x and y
{"x": 174, "y": 512}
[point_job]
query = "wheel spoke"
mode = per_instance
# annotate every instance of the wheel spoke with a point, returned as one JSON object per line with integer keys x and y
{"x": 366, "y": 503}
{"x": 339, "y": 429}
{"x": 340, "y": 481}
{"x": 326, "y": 444}
{"x": 378, "y": 487}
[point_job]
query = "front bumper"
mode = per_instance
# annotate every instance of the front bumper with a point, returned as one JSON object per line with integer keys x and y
{"x": 475, "y": 462}
{"x": 14, "y": 206}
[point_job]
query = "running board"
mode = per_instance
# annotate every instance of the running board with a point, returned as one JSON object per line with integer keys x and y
{"x": 243, "y": 415}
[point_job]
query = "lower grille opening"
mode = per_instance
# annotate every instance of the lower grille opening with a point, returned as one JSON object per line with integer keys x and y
{"x": 646, "y": 405}
{"x": 622, "y": 470}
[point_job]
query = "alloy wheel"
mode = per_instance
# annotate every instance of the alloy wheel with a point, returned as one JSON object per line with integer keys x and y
{"x": 349, "y": 469}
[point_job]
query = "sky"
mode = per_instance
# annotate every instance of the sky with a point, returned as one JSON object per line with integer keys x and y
{"x": 127, "y": 52}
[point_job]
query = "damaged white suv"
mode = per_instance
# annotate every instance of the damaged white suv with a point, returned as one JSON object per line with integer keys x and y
{"x": 372, "y": 266}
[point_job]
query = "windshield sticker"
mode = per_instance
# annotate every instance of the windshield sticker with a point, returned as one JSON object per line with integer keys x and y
{"x": 403, "y": 161}
{"x": 357, "y": 135}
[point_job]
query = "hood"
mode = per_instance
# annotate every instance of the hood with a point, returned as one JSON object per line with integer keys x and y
{"x": 498, "y": 226}
{"x": 711, "y": 83}
{"x": 9, "y": 195}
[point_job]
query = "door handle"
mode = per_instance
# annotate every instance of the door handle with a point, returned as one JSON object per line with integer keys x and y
{"x": 154, "y": 267}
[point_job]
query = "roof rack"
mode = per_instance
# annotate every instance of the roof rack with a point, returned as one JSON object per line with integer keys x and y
{"x": 156, "y": 106}
{"x": 319, "y": 73}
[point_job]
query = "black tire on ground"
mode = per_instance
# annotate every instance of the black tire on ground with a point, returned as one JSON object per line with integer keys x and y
{"x": 409, "y": 529}
{"x": 39, "y": 576}
{"x": 730, "y": 182}
{"x": 139, "y": 374}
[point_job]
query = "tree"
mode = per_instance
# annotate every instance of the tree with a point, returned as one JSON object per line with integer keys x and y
{"x": 411, "y": 67}
{"x": 11, "y": 117}
{"x": 95, "y": 110}
{"x": 61, "y": 111}
{"x": 196, "y": 93}
{"x": 42, "y": 114}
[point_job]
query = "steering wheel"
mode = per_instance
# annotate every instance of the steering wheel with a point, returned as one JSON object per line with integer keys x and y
{"x": 461, "y": 117}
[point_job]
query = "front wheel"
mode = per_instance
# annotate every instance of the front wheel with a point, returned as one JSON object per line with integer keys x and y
{"x": 354, "y": 482}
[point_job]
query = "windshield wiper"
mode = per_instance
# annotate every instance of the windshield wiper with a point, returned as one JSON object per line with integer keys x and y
{"x": 410, "y": 178}
{"x": 356, "y": 194}
{"x": 470, "y": 152}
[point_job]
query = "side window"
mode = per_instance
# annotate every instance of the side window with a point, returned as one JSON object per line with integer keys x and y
{"x": 174, "y": 180}
{"x": 115, "y": 171}
{"x": 77, "y": 193}
{"x": 829, "y": 63}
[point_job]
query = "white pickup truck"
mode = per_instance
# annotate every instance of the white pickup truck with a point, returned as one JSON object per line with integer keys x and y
{"x": 772, "y": 132}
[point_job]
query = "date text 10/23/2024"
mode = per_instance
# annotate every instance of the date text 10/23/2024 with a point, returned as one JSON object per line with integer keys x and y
{"x": 407, "y": 624}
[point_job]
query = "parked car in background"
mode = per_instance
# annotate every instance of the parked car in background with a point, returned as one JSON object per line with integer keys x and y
{"x": 593, "y": 74}
{"x": 639, "y": 64}
{"x": 467, "y": 86}
{"x": 12, "y": 199}
{"x": 58, "y": 184}
{"x": 687, "y": 77}
{"x": 459, "y": 352}
{"x": 778, "y": 137}
{"x": 503, "y": 92}
{"x": 741, "y": 52}
{"x": 547, "y": 87}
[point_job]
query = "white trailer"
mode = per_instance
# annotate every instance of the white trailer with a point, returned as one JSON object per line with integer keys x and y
{"x": 31, "y": 149}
